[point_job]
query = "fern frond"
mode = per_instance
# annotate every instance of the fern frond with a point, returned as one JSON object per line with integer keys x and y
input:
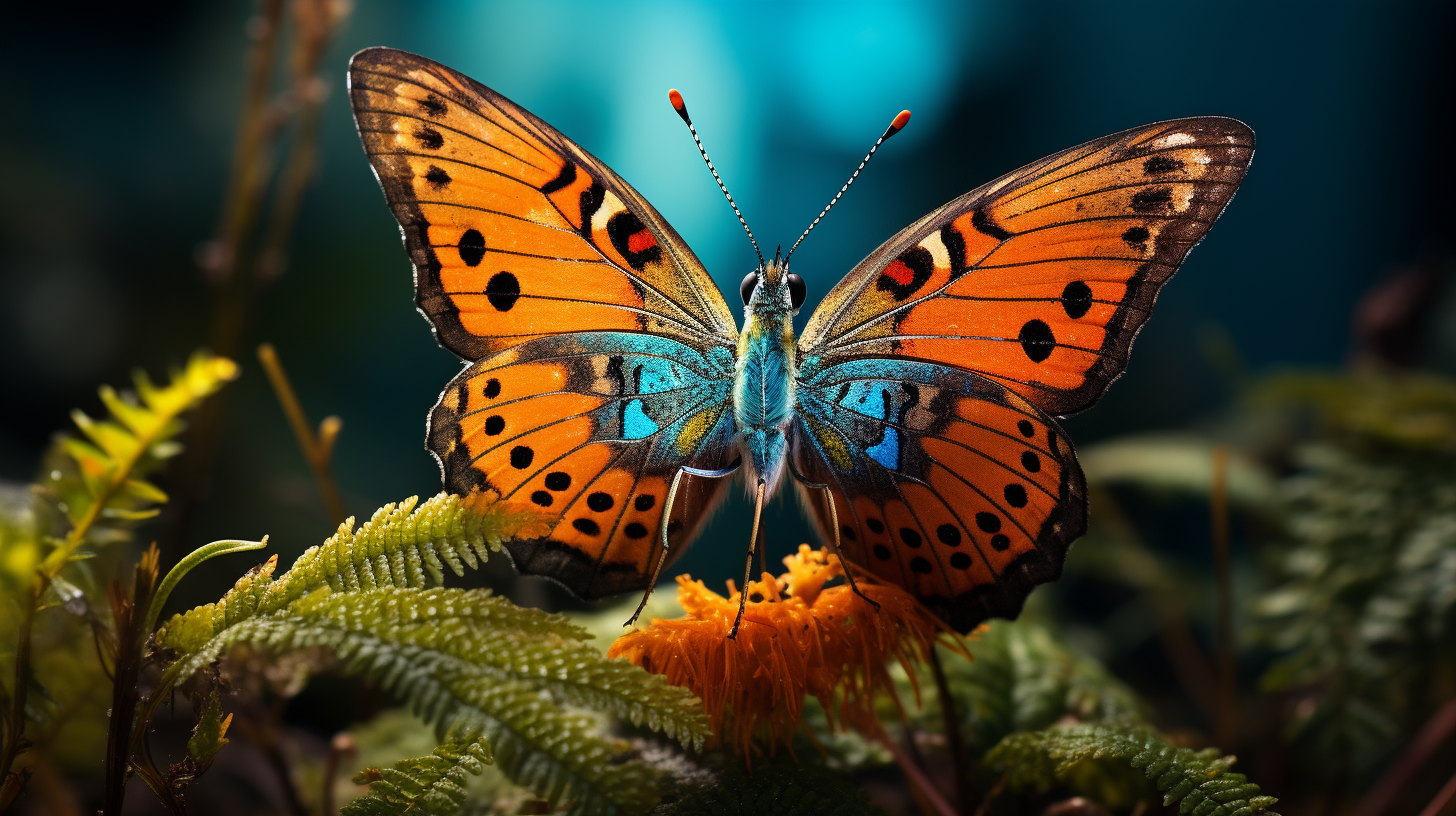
{"x": 403, "y": 545}
{"x": 469, "y": 661}
{"x": 1199, "y": 782}
{"x": 1364, "y": 612}
{"x": 429, "y": 786}
{"x": 465, "y": 661}
{"x": 99, "y": 482}
{"x": 1023, "y": 679}
{"x": 406, "y": 545}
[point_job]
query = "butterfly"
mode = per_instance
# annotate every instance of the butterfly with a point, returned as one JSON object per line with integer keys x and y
{"x": 609, "y": 387}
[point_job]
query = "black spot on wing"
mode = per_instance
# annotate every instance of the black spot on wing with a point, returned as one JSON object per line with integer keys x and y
{"x": 1162, "y": 164}
{"x": 1037, "y": 340}
{"x": 905, "y": 275}
{"x": 591, "y": 201}
{"x": 1077, "y": 299}
{"x": 1158, "y": 199}
{"x": 983, "y": 225}
{"x": 621, "y": 229}
{"x": 437, "y": 178}
{"x": 472, "y": 247}
{"x": 503, "y": 290}
{"x": 1137, "y": 237}
{"x": 521, "y": 457}
{"x": 955, "y": 247}
{"x": 562, "y": 180}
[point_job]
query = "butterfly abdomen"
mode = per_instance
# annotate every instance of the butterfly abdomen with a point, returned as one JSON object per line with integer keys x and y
{"x": 763, "y": 398}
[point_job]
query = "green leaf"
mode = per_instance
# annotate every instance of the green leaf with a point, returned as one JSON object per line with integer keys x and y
{"x": 466, "y": 661}
{"x": 1198, "y": 782}
{"x": 208, "y": 736}
{"x": 428, "y": 786}
{"x": 99, "y": 482}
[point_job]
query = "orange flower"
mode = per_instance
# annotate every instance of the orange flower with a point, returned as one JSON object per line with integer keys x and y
{"x": 797, "y": 638}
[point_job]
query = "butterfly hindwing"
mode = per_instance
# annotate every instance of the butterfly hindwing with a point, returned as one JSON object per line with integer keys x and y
{"x": 1041, "y": 279}
{"x": 515, "y": 231}
{"x": 945, "y": 482}
{"x": 590, "y": 428}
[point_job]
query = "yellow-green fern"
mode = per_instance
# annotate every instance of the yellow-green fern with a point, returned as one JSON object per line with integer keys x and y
{"x": 1198, "y": 782}
{"x": 464, "y": 660}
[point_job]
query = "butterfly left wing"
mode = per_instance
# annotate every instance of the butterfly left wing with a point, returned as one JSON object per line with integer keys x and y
{"x": 515, "y": 231}
{"x": 590, "y": 428}
{"x": 945, "y": 482}
{"x": 1042, "y": 278}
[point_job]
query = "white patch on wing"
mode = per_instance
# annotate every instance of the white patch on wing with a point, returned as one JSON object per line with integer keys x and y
{"x": 1173, "y": 140}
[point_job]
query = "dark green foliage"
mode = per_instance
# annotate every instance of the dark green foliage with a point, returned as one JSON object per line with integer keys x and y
{"x": 777, "y": 788}
{"x": 1022, "y": 679}
{"x": 1364, "y": 611}
{"x": 1199, "y": 782}
{"x": 428, "y": 786}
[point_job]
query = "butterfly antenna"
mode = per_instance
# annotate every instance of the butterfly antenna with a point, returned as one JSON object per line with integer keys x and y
{"x": 896, "y": 125}
{"x": 682, "y": 110}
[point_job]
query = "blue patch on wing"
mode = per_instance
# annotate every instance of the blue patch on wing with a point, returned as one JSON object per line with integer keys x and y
{"x": 635, "y": 422}
{"x": 887, "y": 452}
{"x": 656, "y": 376}
{"x": 861, "y": 397}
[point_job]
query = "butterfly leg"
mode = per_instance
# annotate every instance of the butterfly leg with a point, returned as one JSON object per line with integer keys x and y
{"x": 834, "y": 525}
{"x": 748, "y": 564}
{"x": 662, "y": 524}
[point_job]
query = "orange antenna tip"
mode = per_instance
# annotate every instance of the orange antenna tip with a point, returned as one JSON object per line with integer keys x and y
{"x": 678, "y": 104}
{"x": 901, "y": 120}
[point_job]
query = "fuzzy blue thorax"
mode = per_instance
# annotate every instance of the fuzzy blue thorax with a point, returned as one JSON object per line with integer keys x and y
{"x": 764, "y": 379}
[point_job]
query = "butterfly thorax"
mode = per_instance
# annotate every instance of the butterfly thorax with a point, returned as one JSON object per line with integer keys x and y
{"x": 764, "y": 378}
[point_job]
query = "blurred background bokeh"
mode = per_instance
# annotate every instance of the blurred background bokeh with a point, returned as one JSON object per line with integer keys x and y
{"x": 1337, "y": 249}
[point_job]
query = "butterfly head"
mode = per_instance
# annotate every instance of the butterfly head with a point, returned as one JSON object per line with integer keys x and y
{"x": 771, "y": 290}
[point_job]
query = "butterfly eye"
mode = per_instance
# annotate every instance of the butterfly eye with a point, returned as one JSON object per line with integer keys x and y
{"x": 750, "y": 282}
{"x": 796, "y": 290}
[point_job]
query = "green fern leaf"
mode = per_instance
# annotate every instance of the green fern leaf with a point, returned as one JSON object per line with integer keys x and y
{"x": 1199, "y": 782}
{"x": 428, "y": 786}
{"x": 1023, "y": 679}
{"x": 465, "y": 661}
{"x": 99, "y": 483}
{"x": 209, "y": 736}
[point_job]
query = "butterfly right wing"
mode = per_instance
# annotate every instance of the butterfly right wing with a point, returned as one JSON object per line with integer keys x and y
{"x": 945, "y": 482}
{"x": 515, "y": 231}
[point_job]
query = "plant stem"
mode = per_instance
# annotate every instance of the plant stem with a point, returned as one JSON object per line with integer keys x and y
{"x": 10, "y": 783}
{"x": 1398, "y": 776}
{"x": 128, "y": 616}
{"x": 1442, "y": 798}
{"x": 912, "y": 771}
{"x": 1227, "y": 726}
{"x": 316, "y": 450}
{"x": 961, "y": 767}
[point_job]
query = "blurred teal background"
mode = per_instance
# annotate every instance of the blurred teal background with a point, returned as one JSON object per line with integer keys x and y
{"x": 123, "y": 122}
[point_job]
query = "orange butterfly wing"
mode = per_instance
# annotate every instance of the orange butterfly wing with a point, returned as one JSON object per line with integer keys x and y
{"x": 945, "y": 482}
{"x": 516, "y": 232}
{"x": 1041, "y": 279}
{"x": 590, "y": 428}
{"x": 603, "y": 348}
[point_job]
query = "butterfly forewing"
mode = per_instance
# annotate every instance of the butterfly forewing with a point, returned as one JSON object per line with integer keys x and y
{"x": 1041, "y": 279}
{"x": 516, "y": 232}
